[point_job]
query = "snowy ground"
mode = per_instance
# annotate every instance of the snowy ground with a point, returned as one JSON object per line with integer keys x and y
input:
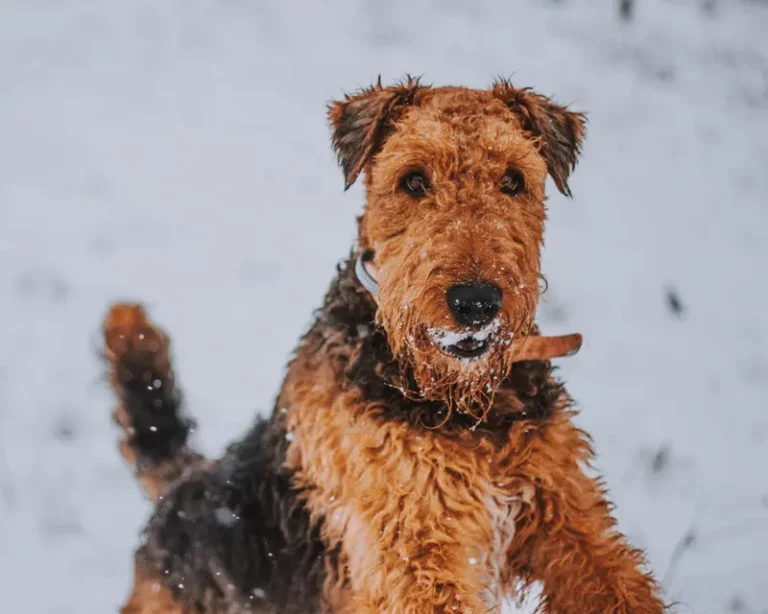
{"x": 177, "y": 152}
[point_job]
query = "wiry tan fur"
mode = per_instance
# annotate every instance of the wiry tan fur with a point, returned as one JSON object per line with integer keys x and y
{"x": 429, "y": 523}
{"x": 433, "y": 484}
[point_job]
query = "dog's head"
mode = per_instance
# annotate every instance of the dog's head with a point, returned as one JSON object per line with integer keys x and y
{"x": 454, "y": 218}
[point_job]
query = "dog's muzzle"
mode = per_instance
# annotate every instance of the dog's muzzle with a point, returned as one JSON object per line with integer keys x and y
{"x": 534, "y": 347}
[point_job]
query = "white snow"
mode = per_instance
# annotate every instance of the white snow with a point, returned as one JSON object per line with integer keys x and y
{"x": 176, "y": 153}
{"x": 225, "y": 516}
{"x": 446, "y": 338}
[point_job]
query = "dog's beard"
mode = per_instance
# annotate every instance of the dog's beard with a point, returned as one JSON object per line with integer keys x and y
{"x": 464, "y": 385}
{"x": 430, "y": 372}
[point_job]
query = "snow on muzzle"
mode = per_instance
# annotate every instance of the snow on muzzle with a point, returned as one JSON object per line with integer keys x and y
{"x": 466, "y": 344}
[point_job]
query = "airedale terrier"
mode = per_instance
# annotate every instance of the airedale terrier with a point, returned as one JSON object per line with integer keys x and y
{"x": 421, "y": 456}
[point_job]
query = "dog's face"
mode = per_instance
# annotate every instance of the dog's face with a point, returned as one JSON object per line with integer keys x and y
{"x": 454, "y": 216}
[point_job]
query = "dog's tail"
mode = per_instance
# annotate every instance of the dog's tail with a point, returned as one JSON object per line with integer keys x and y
{"x": 149, "y": 410}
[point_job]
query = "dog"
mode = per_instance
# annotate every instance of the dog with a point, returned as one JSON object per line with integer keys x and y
{"x": 421, "y": 456}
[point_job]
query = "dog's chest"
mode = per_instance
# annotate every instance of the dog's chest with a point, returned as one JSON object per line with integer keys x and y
{"x": 399, "y": 501}
{"x": 503, "y": 511}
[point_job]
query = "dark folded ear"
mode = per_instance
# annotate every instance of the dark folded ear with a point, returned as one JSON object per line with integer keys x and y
{"x": 560, "y": 131}
{"x": 360, "y": 123}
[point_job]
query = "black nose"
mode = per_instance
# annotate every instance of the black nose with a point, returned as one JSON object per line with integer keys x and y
{"x": 474, "y": 304}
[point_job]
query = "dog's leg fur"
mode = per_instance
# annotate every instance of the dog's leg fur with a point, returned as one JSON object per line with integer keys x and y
{"x": 236, "y": 534}
{"x": 567, "y": 538}
{"x": 155, "y": 432}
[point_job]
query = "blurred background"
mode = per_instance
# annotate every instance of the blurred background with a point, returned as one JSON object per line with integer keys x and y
{"x": 176, "y": 152}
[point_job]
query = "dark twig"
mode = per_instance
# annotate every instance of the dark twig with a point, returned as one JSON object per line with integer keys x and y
{"x": 626, "y": 9}
{"x": 691, "y": 538}
{"x": 684, "y": 543}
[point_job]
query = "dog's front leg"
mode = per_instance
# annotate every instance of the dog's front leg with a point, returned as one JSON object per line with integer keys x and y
{"x": 568, "y": 540}
{"x": 416, "y": 567}
{"x": 412, "y": 593}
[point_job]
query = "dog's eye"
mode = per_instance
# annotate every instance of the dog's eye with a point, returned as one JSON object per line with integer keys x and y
{"x": 415, "y": 184}
{"x": 512, "y": 183}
